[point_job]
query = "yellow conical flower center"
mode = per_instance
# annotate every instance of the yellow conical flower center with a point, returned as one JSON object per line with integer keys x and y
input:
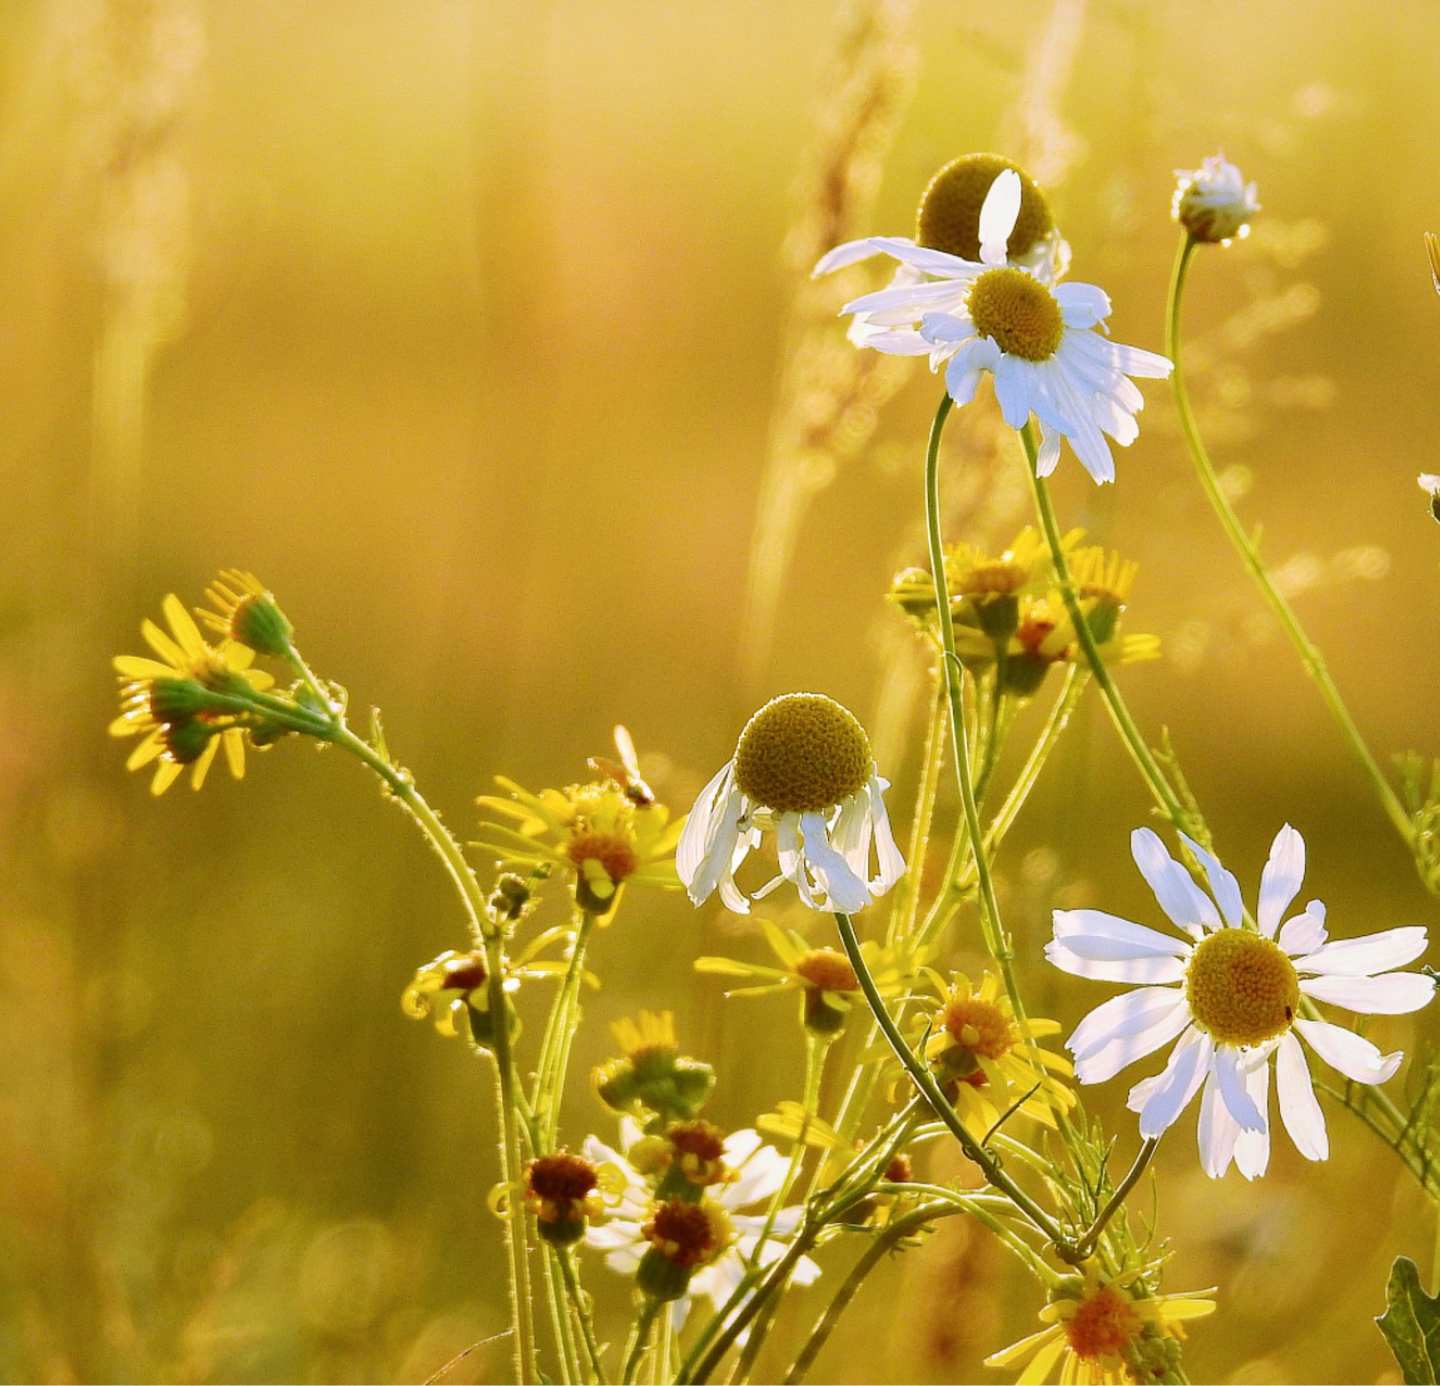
{"x": 1241, "y": 987}
{"x": 802, "y": 753}
{"x": 979, "y": 1026}
{"x": 949, "y": 217}
{"x": 1018, "y": 311}
{"x": 1104, "y": 1325}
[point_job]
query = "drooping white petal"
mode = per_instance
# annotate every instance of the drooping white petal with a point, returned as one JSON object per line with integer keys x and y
{"x": 1176, "y": 893}
{"x": 1232, "y": 1089}
{"x": 1048, "y": 456}
{"x": 1097, "y": 935}
{"x": 698, "y": 833}
{"x": 1146, "y": 1029}
{"x": 939, "y": 263}
{"x": 1305, "y": 932}
{"x": 844, "y": 890}
{"x": 1299, "y": 1107}
{"x": 1144, "y": 971}
{"x": 1371, "y": 953}
{"x": 998, "y": 214}
{"x": 1351, "y": 1054}
{"x": 1393, "y": 993}
{"x": 1010, "y": 391}
{"x": 791, "y": 859}
{"x": 1087, "y": 440}
{"x": 1280, "y": 881}
{"x": 843, "y": 255}
{"x": 1223, "y": 886}
{"x": 1252, "y": 1148}
{"x": 850, "y": 832}
{"x": 720, "y": 843}
{"x": 1218, "y": 1130}
{"x": 892, "y": 864}
{"x": 1181, "y": 1079}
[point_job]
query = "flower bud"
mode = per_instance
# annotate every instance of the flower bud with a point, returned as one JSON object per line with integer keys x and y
{"x": 1213, "y": 202}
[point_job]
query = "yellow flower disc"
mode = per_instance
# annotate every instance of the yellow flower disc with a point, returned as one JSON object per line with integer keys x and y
{"x": 1241, "y": 987}
{"x": 949, "y": 217}
{"x": 1103, "y": 1325}
{"x": 979, "y": 1026}
{"x": 802, "y": 753}
{"x": 827, "y": 970}
{"x": 1018, "y": 311}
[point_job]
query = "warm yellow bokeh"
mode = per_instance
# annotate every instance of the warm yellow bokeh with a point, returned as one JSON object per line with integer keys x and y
{"x": 463, "y": 325}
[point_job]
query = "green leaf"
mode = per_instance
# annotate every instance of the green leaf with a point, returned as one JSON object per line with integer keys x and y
{"x": 1411, "y": 1324}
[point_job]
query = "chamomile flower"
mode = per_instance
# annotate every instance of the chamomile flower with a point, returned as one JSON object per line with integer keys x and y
{"x": 803, "y": 769}
{"x": 1105, "y": 1332}
{"x": 1042, "y": 342}
{"x": 1213, "y": 202}
{"x": 1230, "y": 996}
{"x": 697, "y": 1246}
{"x": 167, "y": 701}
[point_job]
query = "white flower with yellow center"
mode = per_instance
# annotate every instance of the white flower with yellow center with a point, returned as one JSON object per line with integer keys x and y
{"x": 1043, "y": 343}
{"x": 803, "y": 769}
{"x": 1231, "y": 996}
{"x": 1213, "y": 202}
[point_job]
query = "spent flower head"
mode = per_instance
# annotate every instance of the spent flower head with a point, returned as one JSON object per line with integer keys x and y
{"x": 563, "y": 1192}
{"x": 606, "y": 834}
{"x": 652, "y": 1079}
{"x": 802, "y": 769}
{"x": 1106, "y": 1330}
{"x": 244, "y": 609}
{"x": 1213, "y": 202}
{"x": 181, "y": 704}
{"x": 1044, "y": 343}
{"x": 1231, "y": 995}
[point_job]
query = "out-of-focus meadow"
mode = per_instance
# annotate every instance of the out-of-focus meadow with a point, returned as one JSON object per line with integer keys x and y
{"x": 466, "y": 325}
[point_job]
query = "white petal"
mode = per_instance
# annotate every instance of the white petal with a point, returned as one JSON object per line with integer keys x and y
{"x": 892, "y": 341}
{"x": 850, "y": 832}
{"x": 998, "y": 214}
{"x": 698, "y": 834}
{"x": 918, "y": 297}
{"x": 1232, "y": 1089}
{"x": 1180, "y": 1081}
{"x": 1010, "y": 391}
{"x": 1048, "y": 455}
{"x": 947, "y": 329}
{"x": 1139, "y": 1033}
{"x": 843, "y": 888}
{"x": 1352, "y": 1054}
{"x": 1175, "y": 892}
{"x": 1121, "y": 1016}
{"x": 1360, "y": 957}
{"x": 1218, "y": 1131}
{"x": 1096, "y": 935}
{"x": 1393, "y": 993}
{"x": 1146, "y": 971}
{"x": 892, "y": 864}
{"x": 1305, "y": 932}
{"x": 1299, "y": 1107}
{"x": 1280, "y": 881}
{"x": 842, "y": 256}
{"x": 1252, "y": 1148}
{"x": 1223, "y": 886}
{"x": 940, "y": 263}
{"x": 1134, "y": 361}
{"x": 1082, "y": 305}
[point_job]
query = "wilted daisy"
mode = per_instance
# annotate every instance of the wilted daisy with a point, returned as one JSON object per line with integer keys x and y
{"x": 1213, "y": 202}
{"x": 1105, "y": 1332}
{"x": 166, "y": 701}
{"x": 803, "y": 769}
{"x": 707, "y": 1241}
{"x": 1231, "y": 996}
{"x": 1040, "y": 341}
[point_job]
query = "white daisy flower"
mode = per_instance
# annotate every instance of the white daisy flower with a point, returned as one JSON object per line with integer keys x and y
{"x": 755, "y": 1172}
{"x": 1230, "y": 996}
{"x": 1040, "y": 341}
{"x": 803, "y": 769}
{"x": 1213, "y": 202}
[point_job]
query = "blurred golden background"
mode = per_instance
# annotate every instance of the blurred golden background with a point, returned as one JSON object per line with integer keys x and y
{"x": 480, "y": 331}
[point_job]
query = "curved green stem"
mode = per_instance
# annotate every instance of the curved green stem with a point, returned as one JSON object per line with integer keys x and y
{"x": 580, "y": 1306}
{"x": 555, "y": 1045}
{"x": 925, "y": 1081}
{"x": 1310, "y": 656}
{"x": 1140, "y": 752}
{"x": 996, "y": 939}
{"x": 640, "y": 1338}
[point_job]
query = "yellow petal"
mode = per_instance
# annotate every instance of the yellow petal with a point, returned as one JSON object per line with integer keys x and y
{"x": 146, "y": 751}
{"x": 166, "y": 773}
{"x": 235, "y": 751}
{"x": 202, "y": 762}
{"x": 187, "y": 633}
{"x": 140, "y": 668}
{"x": 1007, "y": 1357}
{"x": 164, "y": 646}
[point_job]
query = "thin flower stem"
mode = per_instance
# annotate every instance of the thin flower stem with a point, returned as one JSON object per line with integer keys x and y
{"x": 580, "y": 1307}
{"x": 558, "y": 1038}
{"x": 1088, "y": 1242}
{"x": 1310, "y": 656}
{"x": 815, "y": 1053}
{"x": 560, "y": 1323}
{"x": 907, "y": 894}
{"x": 925, "y": 1081}
{"x": 996, "y": 939}
{"x": 640, "y": 1338}
{"x": 1140, "y": 753}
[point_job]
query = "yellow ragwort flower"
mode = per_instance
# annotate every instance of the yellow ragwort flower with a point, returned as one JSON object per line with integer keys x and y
{"x": 987, "y": 1061}
{"x": 165, "y": 700}
{"x": 607, "y": 833}
{"x": 1105, "y": 1333}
